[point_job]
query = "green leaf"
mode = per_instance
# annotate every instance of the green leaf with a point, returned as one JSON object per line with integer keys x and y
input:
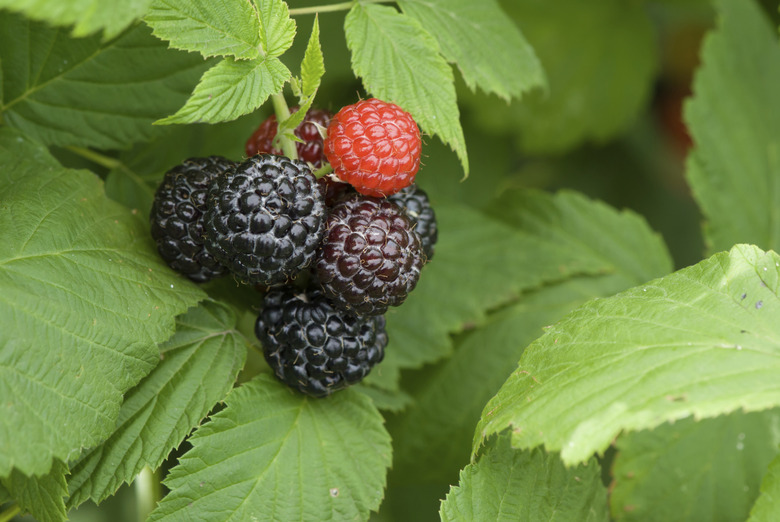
{"x": 313, "y": 64}
{"x": 393, "y": 401}
{"x": 273, "y": 453}
{"x": 625, "y": 363}
{"x": 481, "y": 264}
{"x": 486, "y": 45}
{"x": 507, "y": 484}
{"x": 87, "y": 16}
{"x": 433, "y": 436}
{"x": 277, "y": 29}
{"x": 621, "y": 240}
{"x": 694, "y": 470}
{"x": 41, "y": 497}
{"x": 400, "y": 63}
{"x": 212, "y": 28}
{"x": 734, "y": 167}
{"x": 231, "y": 89}
{"x": 64, "y": 91}
{"x": 600, "y": 61}
{"x": 767, "y": 507}
{"x": 198, "y": 367}
{"x": 85, "y": 301}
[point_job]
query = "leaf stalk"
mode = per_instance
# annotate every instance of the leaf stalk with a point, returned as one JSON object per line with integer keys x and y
{"x": 147, "y": 492}
{"x": 10, "y": 512}
{"x": 282, "y": 112}
{"x": 342, "y": 6}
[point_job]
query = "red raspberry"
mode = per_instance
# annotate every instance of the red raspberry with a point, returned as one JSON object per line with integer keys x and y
{"x": 310, "y": 150}
{"x": 375, "y": 146}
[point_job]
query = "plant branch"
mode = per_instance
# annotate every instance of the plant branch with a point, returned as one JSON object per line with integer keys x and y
{"x": 343, "y": 6}
{"x": 147, "y": 492}
{"x": 10, "y": 512}
{"x": 282, "y": 113}
{"x": 96, "y": 157}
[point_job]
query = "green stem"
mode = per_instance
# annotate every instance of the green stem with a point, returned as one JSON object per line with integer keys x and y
{"x": 147, "y": 492}
{"x": 343, "y": 6}
{"x": 282, "y": 113}
{"x": 96, "y": 157}
{"x": 10, "y": 512}
{"x": 322, "y": 171}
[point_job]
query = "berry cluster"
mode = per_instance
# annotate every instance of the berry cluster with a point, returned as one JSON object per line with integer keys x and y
{"x": 361, "y": 239}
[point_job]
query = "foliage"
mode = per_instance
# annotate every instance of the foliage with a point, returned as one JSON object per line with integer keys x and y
{"x": 551, "y": 364}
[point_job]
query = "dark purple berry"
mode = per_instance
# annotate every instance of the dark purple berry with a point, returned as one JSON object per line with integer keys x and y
{"x": 370, "y": 258}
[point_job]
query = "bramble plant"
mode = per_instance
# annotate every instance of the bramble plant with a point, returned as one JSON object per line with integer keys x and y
{"x": 557, "y": 360}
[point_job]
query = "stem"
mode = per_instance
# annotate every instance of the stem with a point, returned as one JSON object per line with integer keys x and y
{"x": 343, "y": 6}
{"x": 282, "y": 113}
{"x": 322, "y": 171}
{"x": 10, "y": 512}
{"x": 96, "y": 157}
{"x": 147, "y": 492}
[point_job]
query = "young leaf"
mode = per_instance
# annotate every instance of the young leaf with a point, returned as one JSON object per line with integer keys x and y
{"x": 87, "y": 16}
{"x": 400, "y": 62}
{"x": 767, "y": 507}
{"x": 599, "y": 58}
{"x": 277, "y": 29}
{"x": 85, "y": 301}
{"x": 312, "y": 69}
{"x": 481, "y": 39}
{"x": 625, "y": 363}
{"x": 716, "y": 465}
{"x": 197, "y": 369}
{"x": 733, "y": 169}
{"x": 210, "y": 27}
{"x": 64, "y": 91}
{"x": 41, "y": 497}
{"x": 507, "y": 484}
{"x": 313, "y": 65}
{"x": 231, "y": 89}
{"x": 275, "y": 453}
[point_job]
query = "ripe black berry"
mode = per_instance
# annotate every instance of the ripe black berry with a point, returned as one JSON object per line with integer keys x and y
{"x": 370, "y": 258}
{"x": 177, "y": 217}
{"x": 314, "y": 347}
{"x": 415, "y": 202}
{"x": 265, "y": 219}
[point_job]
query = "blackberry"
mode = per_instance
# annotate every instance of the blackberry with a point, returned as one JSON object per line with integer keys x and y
{"x": 309, "y": 148}
{"x": 265, "y": 219}
{"x": 415, "y": 202}
{"x": 177, "y": 217}
{"x": 370, "y": 258}
{"x": 314, "y": 347}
